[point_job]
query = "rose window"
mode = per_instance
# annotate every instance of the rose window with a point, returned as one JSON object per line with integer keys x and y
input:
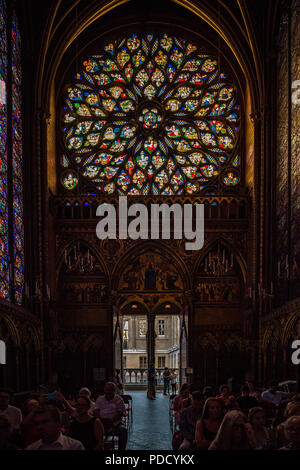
{"x": 150, "y": 115}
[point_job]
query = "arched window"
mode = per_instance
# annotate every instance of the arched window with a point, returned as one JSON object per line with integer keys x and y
{"x": 151, "y": 114}
{"x": 11, "y": 202}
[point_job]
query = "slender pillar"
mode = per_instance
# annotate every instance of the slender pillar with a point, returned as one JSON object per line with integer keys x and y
{"x": 151, "y": 340}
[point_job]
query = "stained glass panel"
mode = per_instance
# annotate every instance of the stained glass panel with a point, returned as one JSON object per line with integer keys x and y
{"x": 18, "y": 230}
{"x": 150, "y": 115}
{"x": 4, "y": 248}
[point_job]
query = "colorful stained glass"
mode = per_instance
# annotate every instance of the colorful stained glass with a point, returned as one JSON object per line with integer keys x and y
{"x": 168, "y": 115}
{"x": 4, "y": 248}
{"x": 231, "y": 179}
{"x": 70, "y": 180}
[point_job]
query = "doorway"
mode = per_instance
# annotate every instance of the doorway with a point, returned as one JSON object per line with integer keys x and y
{"x": 142, "y": 338}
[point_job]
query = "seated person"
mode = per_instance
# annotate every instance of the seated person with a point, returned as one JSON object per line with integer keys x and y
{"x": 292, "y": 409}
{"x": 85, "y": 392}
{"x": 86, "y": 428}
{"x": 235, "y": 433}
{"x": 208, "y": 426}
{"x": 245, "y": 401}
{"x": 6, "y": 433}
{"x": 228, "y": 400}
{"x": 111, "y": 408}
{"x": 188, "y": 420}
{"x": 28, "y": 428}
{"x": 274, "y": 396}
{"x": 265, "y": 437}
{"x": 292, "y": 429}
{"x": 47, "y": 420}
{"x": 181, "y": 402}
{"x": 12, "y": 412}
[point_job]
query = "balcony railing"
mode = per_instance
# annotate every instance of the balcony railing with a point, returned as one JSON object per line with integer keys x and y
{"x": 139, "y": 376}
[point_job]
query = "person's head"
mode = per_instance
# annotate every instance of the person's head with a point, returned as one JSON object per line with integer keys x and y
{"x": 251, "y": 385}
{"x": 6, "y": 427}
{"x": 84, "y": 392}
{"x": 43, "y": 399}
{"x": 232, "y": 432}
{"x": 273, "y": 386}
{"x": 166, "y": 369}
{"x": 292, "y": 409}
{"x": 184, "y": 390}
{"x": 109, "y": 390}
{"x": 207, "y": 392}
{"x": 197, "y": 400}
{"x": 31, "y": 404}
{"x": 224, "y": 391}
{"x": 257, "y": 417}
{"x": 48, "y": 422}
{"x": 82, "y": 405}
{"x": 292, "y": 430}
{"x": 118, "y": 371}
{"x": 245, "y": 390}
{"x": 212, "y": 409}
{"x": 4, "y": 398}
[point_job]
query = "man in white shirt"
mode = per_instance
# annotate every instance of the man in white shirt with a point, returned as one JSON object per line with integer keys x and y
{"x": 48, "y": 423}
{"x": 14, "y": 413}
{"x": 111, "y": 408}
{"x": 272, "y": 395}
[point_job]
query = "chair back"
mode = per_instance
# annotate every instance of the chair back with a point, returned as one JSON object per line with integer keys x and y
{"x": 126, "y": 398}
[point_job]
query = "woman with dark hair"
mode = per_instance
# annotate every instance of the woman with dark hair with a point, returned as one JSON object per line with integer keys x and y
{"x": 228, "y": 400}
{"x": 208, "y": 426}
{"x": 265, "y": 437}
{"x": 234, "y": 433}
{"x": 86, "y": 428}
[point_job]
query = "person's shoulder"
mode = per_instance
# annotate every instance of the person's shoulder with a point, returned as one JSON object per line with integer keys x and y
{"x": 14, "y": 409}
{"x": 188, "y": 409}
{"x": 119, "y": 398}
{"x": 34, "y": 446}
{"x": 69, "y": 442}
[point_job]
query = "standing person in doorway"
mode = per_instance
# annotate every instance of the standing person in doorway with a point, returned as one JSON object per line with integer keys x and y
{"x": 166, "y": 377}
{"x": 151, "y": 382}
{"x": 117, "y": 380}
{"x": 174, "y": 381}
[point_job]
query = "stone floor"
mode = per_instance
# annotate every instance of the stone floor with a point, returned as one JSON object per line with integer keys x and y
{"x": 150, "y": 429}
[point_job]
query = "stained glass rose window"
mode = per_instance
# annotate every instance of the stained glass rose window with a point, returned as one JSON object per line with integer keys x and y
{"x": 150, "y": 115}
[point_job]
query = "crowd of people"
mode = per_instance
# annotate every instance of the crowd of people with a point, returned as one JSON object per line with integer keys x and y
{"x": 249, "y": 420}
{"x": 52, "y": 422}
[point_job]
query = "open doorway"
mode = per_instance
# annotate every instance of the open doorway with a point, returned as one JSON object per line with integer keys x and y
{"x": 130, "y": 345}
{"x": 135, "y": 357}
{"x": 141, "y": 338}
{"x": 167, "y": 351}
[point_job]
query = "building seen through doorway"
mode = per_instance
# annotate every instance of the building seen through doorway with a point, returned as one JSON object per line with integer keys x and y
{"x": 135, "y": 357}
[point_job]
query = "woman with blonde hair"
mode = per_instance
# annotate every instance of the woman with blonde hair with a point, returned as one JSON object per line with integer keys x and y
{"x": 235, "y": 433}
{"x": 292, "y": 409}
{"x": 208, "y": 425}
